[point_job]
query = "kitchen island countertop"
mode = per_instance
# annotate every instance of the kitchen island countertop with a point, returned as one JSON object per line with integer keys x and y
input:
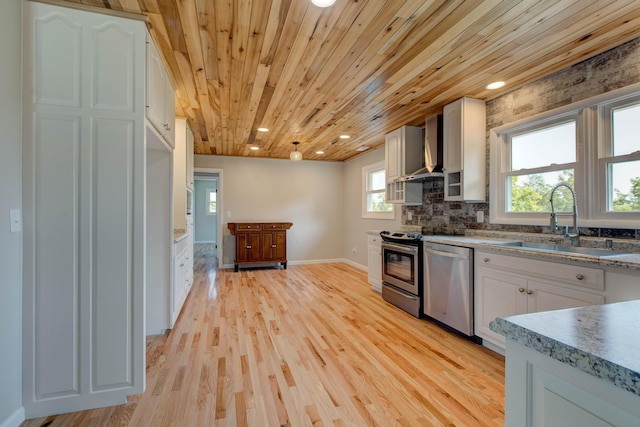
{"x": 600, "y": 340}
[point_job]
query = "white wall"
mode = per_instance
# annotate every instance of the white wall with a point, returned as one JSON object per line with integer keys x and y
{"x": 309, "y": 194}
{"x": 205, "y": 225}
{"x": 356, "y": 227}
{"x": 11, "y": 411}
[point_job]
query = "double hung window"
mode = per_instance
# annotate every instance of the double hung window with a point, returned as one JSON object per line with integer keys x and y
{"x": 373, "y": 200}
{"x": 592, "y": 146}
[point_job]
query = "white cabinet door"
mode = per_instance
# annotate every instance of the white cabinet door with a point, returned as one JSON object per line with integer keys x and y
{"x": 190, "y": 153}
{"x": 452, "y": 137}
{"x": 84, "y": 172}
{"x": 160, "y": 95}
{"x": 497, "y": 295}
{"x": 545, "y": 297}
{"x": 374, "y": 261}
{"x": 393, "y": 154}
{"x": 156, "y": 92}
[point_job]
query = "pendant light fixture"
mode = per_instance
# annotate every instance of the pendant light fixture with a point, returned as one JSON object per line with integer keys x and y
{"x": 323, "y": 3}
{"x": 295, "y": 155}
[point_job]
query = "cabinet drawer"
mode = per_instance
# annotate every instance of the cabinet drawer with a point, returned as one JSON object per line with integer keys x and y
{"x": 576, "y": 275}
{"x": 248, "y": 226}
{"x": 274, "y": 226}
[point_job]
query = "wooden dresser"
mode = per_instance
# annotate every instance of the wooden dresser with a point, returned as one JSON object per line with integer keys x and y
{"x": 260, "y": 242}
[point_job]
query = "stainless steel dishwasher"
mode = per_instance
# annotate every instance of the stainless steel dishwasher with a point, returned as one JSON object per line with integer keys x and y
{"x": 448, "y": 286}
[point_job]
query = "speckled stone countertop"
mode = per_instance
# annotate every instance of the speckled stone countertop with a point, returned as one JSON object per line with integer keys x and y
{"x": 179, "y": 234}
{"x": 601, "y": 340}
{"x": 626, "y": 255}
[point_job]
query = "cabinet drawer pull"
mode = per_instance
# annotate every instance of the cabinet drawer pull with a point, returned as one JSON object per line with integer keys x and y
{"x": 529, "y": 292}
{"x": 248, "y": 247}
{"x": 485, "y": 259}
{"x": 521, "y": 290}
{"x": 273, "y": 246}
{"x": 580, "y": 276}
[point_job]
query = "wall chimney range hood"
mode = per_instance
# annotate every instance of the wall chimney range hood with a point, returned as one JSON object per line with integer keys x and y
{"x": 432, "y": 161}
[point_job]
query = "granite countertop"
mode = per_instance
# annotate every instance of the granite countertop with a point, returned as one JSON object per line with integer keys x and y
{"x": 601, "y": 340}
{"x": 626, "y": 257}
{"x": 179, "y": 234}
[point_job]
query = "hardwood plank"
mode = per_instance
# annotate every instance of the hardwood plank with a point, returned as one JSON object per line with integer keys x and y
{"x": 310, "y": 345}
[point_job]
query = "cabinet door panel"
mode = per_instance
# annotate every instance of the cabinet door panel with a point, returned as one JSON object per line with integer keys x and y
{"x": 273, "y": 246}
{"x": 248, "y": 248}
{"x": 452, "y": 136}
{"x": 497, "y": 295}
{"x": 545, "y": 297}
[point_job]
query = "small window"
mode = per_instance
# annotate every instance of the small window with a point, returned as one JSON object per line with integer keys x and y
{"x": 374, "y": 183}
{"x": 212, "y": 197}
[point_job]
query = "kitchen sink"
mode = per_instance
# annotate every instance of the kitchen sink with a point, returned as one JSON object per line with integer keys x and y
{"x": 555, "y": 247}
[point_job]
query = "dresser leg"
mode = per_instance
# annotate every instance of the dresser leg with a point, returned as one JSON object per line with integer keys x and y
{"x": 284, "y": 265}
{"x": 235, "y": 268}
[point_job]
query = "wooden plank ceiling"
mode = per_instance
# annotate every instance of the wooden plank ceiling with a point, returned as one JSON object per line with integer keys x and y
{"x": 360, "y": 67}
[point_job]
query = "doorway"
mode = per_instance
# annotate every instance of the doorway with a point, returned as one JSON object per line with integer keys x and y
{"x": 207, "y": 197}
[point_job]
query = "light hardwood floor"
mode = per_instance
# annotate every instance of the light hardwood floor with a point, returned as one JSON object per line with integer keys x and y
{"x": 312, "y": 345}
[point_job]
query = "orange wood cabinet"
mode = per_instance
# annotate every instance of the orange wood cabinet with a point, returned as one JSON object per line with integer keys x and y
{"x": 260, "y": 242}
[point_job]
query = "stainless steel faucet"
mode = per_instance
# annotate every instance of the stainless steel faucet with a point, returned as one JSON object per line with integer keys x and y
{"x": 573, "y": 238}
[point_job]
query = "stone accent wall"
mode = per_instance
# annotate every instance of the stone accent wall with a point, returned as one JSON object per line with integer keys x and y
{"x": 616, "y": 68}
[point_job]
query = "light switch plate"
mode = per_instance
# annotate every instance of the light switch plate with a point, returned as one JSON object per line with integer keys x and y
{"x": 480, "y": 216}
{"x": 15, "y": 217}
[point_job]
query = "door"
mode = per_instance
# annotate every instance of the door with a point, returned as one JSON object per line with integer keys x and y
{"x": 248, "y": 247}
{"x": 545, "y": 297}
{"x": 273, "y": 245}
{"x": 497, "y": 295}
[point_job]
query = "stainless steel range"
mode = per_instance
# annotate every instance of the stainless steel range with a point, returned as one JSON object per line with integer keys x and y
{"x": 402, "y": 270}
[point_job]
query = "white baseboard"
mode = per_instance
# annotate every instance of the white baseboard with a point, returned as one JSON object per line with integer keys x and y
{"x": 317, "y": 261}
{"x": 15, "y": 419}
{"x": 205, "y": 241}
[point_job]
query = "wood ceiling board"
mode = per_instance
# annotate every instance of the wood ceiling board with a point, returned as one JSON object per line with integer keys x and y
{"x": 358, "y": 67}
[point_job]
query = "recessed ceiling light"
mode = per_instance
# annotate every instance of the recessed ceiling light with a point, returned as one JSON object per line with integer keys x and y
{"x": 263, "y": 130}
{"x": 319, "y": 152}
{"x": 362, "y": 148}
{"x": 345, "y": 136}
{"x": 254, "y": 148}
{"x": 323, "y": 3}
{"x": 495, "y": 85}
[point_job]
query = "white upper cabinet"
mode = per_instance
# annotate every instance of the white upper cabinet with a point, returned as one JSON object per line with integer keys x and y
{"x": 189, "y": 167}
{"x": 83, "y": 174}
{"x": 464, "y": 150}
{"x": 161, "y": 102}
{"x": 403, "y": 155}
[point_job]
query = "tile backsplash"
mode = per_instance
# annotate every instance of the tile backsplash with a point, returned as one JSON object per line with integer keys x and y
{"x": 610, "y": 70}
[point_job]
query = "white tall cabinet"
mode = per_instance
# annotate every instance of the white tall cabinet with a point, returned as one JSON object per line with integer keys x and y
{"x": 84, "y": 224}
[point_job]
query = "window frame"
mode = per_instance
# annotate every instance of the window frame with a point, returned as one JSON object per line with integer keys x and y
{"x": 366, "y": 171}
{"x": 590, "y": 187}
{"x": 208, "y": 191}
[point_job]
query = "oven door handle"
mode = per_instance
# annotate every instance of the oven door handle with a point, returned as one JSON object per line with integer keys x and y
{"x": 400, "y": 248}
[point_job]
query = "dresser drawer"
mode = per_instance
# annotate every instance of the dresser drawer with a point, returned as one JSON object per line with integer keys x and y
{"x": 274, "y": 226}
{"x": 247, "y": 226}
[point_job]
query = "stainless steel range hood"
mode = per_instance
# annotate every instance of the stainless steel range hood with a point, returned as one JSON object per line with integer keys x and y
{"x": 432, "y": 161}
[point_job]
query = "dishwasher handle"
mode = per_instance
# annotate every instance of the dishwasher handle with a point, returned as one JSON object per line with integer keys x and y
{"x": 446, "y": 254}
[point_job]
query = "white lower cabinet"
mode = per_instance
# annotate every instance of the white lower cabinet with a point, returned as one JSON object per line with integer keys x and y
{"x": 543, "y": 392}
{"x": 508, "y": 285}
{"x": 182, "y": 276}
{"x": 374, "y": 261}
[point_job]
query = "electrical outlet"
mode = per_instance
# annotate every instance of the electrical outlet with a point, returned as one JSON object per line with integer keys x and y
{"x": 354, "y": 250}
{"x": 480, "y": 216}
{"x": 409, "y": 215}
